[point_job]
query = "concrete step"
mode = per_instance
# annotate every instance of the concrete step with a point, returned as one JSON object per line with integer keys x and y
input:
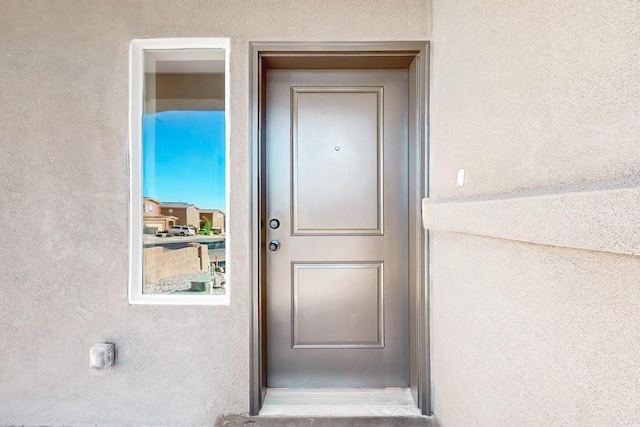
{"x": 273, "y": 421}
{"x": 339, "y": 402}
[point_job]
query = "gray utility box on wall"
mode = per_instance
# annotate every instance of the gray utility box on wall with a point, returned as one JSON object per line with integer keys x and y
{"x": 102, "y": 356}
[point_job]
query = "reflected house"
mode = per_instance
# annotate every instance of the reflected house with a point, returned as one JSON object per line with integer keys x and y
{"x": 187, "y": 213}
{"x": 216, "y": 218}
{"x": 153, "y": 219}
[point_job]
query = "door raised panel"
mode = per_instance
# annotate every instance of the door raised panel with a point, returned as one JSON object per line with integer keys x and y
{"x": 337, "y": 305}
{"x": 337, "y": 160}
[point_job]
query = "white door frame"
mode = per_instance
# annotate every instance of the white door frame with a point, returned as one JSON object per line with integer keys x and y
{"x": 412, "y": 55}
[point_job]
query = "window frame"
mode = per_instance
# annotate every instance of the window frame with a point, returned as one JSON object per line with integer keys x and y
{"x": 137, "y": 50}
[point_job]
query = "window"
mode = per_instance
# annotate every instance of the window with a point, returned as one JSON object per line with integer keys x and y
{"x": 179, "y": 104}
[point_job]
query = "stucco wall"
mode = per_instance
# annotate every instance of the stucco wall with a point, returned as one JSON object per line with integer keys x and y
{"x": 64, "y": 111}
{"x": 538, "y": 102}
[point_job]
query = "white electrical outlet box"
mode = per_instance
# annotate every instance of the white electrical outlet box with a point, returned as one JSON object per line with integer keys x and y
{"x": 102, "y": 356}
{"x": 460, "y": 178}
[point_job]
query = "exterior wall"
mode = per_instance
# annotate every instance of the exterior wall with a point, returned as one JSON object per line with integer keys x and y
{"x": 155, "y": 208}
{"x": 217, "y": 221}
{"x": 64, "y": 113}
{"x": 180, "y": 213}
{"x": 540, "y": 104}
{"x": 153, "y": 220}
{"x": 216, "y": 218}
{"x": 159, "y": 264}
{"x": 193, "y": 216}
{"x": 186, "y": 216}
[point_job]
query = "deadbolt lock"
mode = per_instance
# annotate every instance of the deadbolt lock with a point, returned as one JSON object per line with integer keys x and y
{"x": 274, "y": 245}
{"x": 274, "y": 223}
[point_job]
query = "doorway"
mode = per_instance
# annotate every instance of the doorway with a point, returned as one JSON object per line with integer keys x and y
{"x": 339, "y": 251}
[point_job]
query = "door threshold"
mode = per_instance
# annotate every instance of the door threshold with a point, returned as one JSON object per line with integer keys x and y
{"x": 340, "y": 402}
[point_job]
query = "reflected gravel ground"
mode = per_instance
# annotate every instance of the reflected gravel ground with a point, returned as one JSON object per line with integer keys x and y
{"x": 182, "y": 283}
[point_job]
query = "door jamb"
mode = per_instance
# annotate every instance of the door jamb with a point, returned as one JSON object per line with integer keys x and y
{"x": 420, "y": 332}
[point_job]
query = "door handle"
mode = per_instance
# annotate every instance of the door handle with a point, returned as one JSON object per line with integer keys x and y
{"x": 274, "y": 245}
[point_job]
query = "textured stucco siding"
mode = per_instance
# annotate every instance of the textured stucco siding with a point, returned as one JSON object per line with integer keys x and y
{"x": 533, "y": 335}
{"x": 535, "y": 99}
{"x": 63, "y": 275}
{"x": 534, "y": 94}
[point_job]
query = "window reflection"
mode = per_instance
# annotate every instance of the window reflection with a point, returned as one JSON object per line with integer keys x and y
{"x": 183, "y": 172}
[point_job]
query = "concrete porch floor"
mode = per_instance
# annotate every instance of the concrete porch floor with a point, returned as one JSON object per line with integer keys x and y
{"x": 334, "y": 408}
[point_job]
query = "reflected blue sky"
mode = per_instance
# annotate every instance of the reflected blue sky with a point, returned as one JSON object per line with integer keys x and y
{"x": 183, "y": 157}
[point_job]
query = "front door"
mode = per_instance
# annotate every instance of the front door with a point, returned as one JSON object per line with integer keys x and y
{"x": 337, "y": 219}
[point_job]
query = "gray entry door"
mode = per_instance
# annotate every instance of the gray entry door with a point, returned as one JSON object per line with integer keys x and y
{"x": 337, "y": 183}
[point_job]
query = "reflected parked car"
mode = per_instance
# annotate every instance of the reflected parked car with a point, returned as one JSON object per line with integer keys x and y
{"x": 182, "y": 230}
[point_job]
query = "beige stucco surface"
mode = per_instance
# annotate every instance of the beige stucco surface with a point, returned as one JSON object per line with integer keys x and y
{"x": 63, "y": 275}
{"x": 534, "y": 95}
{"x": 535, "y": 99}
{"x": 606, "y": 220}
{"x": 526, "y": 96}
{"x": 533, "y": 335}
